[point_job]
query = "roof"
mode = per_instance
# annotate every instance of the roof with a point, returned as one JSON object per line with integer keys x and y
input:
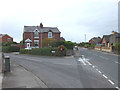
{"x": 96, "y": 40}
{"x": 106, "y": 37}
{"x": 1, "y": 35}
{"x": 44, "y": 29}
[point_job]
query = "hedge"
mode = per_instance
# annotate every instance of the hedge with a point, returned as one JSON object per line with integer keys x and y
{"x": 45, "y": 51}
{"x": 117, "y": 46}
{"x": 67, "y": 44}
{"x": 10, "y": 49}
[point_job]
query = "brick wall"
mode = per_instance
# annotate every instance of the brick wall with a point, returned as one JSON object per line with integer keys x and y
{"x": 30, "y": 35}
{"x": 5, "y": 39}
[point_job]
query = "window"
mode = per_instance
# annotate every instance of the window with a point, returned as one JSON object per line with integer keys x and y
{"x": 8, "y": 39}
{"x": 36, "y": 43}
{"x": 36, "y": 34}
{"x": 49, "y": 34}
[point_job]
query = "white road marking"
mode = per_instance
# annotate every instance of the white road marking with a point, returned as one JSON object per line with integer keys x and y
{"x": 117, "y": 62}
{"x": 117, "y": 88}
{"x": 111, "y": 82}
{"x": 83, "y": 62}
{"x": 105, "y": 76}
{"x": 93, "y": 66}
{"x": 88, "y": 63}
{"x": 99, "y": 71}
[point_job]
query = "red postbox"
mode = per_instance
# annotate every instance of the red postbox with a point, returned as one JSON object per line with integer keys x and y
{"x": 61, "y": 48}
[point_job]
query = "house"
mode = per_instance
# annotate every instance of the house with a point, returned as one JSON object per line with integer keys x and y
{"x": 5, "y": 38}
{"x": 105, "y": 40}
{"x": 111, "y": 39}
{"x": 34, "y": 35}
{"x": 95, "y": 40}
{"x": 114, "y": 38}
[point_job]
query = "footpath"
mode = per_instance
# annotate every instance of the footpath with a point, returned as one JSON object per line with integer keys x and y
{"x": 19, "y": 77}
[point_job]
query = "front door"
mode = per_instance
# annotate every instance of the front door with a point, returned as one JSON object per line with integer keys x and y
{"x": 28, "y": 45}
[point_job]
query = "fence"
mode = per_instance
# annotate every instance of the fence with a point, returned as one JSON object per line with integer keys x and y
{"x": 103, "y": 48}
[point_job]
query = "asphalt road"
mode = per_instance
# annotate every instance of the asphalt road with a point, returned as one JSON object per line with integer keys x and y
{"x": 67, "y": 72}
{"x": 105, "y": 62}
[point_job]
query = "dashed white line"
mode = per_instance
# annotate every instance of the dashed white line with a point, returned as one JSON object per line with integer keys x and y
{"x": 93, "y": 66}
{"x": 99, "y": 71}
{"x": 83, "y": 62}
{"x": 111, "y": 82}
{"x": 117, "y": 88}
{"x": 88, "y": 63}
{"x": 105, "y": 76}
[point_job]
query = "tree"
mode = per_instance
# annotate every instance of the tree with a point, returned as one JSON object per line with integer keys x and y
{"x": 49, "y": 42}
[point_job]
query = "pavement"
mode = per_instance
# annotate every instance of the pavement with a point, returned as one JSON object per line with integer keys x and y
{"x": 19, "y": 77}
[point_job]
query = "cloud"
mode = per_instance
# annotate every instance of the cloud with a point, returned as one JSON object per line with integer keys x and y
{"x": 74, "y": 18}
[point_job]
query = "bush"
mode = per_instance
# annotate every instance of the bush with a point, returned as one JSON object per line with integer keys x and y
{"x": 10, "y": 49}
{"x": 67, "y": 44}
{"x": 59, "y": 52}
{"x": 45, "y": 51}
{"x": 41, "y": 51}
{"x": 117, "y": 46}
{"x": 25, "y": 51}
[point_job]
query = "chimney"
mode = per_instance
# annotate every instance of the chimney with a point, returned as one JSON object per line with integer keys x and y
{"x": 41, "y": 25}
{"x": 113, "y": 32}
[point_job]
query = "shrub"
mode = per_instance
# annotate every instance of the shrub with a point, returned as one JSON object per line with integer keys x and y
{"x": 10, "y": 49}
{"x": 45, "y": 51}
{"x": 117, "y": 46}
{"x": 59, "y": 52}
{"x": 41, "y": 51}
{"x": 25, "y": 51}
{"x": 67, "y": 44}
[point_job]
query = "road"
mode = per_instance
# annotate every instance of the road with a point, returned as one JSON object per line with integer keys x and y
{"x": 68, "y": 72}
{"x": 107, "y": 63}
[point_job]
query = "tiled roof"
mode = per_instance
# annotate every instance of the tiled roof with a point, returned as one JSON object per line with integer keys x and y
{"x": 1, "y": 35}
{"x": 96, "y": 40}
{"x": 106, "y": 37}
{"x": 44, "y": 29}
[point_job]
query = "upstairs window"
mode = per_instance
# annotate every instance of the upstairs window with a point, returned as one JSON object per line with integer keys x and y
{"x": 36, "y": 34}
{"x": 49, "y": 34}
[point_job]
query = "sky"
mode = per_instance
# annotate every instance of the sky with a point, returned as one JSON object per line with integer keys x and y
{"x": 74, "y": 18}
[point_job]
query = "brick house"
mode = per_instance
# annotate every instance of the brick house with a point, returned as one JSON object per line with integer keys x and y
{"x": 32, "y": 35}
{"x": 5, "y": 38}
{"x": 105, "y": 40}
{"x": 95, "y": 40}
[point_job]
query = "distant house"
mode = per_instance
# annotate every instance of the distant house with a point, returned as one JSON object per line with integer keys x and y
{"x": 95, "y": 40}
{"x": 33, "y": 34}
{"x": 5, "y": 38}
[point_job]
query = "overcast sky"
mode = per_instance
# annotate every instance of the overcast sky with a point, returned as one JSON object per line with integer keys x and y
{"x": 74, "y": 18}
